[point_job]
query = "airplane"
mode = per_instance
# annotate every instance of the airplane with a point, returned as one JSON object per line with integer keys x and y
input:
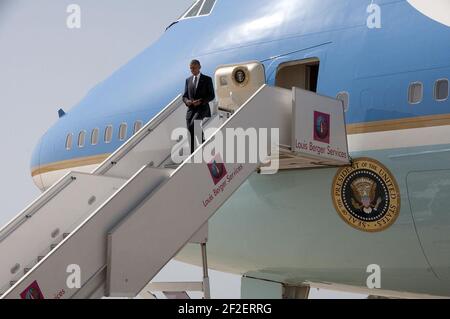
{"x": 294, "y": 227}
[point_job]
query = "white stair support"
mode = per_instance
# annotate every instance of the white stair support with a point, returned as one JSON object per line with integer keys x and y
{"x": 206, "y": 286}
{"x": 86, "y": 246}
{"x": 26, "y": 240}
{"x": 125, "y": 221}
{"x": 64, "y": 206}
{"x": 182, "y": 287}
{"x": 150, "y": 225}
{"x": 201, "y": 237}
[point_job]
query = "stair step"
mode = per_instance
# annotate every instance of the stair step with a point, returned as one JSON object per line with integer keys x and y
{"x": 175, "y": 286}
{"x": 172, "y": 165}
{"x": 176, "y": 295}
{"x": 12, "y": 283}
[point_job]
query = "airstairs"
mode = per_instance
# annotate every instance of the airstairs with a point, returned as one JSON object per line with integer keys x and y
{"x": 109, "y": 233}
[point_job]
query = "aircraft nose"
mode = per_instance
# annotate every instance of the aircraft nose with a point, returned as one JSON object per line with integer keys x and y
{"x": 35, "y": 166}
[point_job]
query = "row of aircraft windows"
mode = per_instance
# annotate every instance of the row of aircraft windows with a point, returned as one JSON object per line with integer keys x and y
{"x": 415, "y": 96}
{"x": 107, "y": 136}
{"x": 415, "y": 93}
{"x": 440, "y": 91}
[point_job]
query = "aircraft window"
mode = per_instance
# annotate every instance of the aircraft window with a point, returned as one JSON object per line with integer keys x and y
{"x": 69, "y": 139}
{"x": 207, "y": 7}
{"x": 123, "y": 131}
{"x": 345, "y": 98}
{"x": 81, "y": 138}
{"x": 137, "y": 126}
{"x": 94, "y": 136}
{"x": 193, "y": 11}
{"x": 441, "y": 90}
{"x": 415, "y": 93}
{"x": 108, "y": 134}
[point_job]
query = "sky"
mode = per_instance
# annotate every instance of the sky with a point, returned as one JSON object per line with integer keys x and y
{"x": 45, "y": 66}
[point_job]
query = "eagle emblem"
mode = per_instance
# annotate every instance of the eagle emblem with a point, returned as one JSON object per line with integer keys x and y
{"x": 366, "y": 195}
{"x": 364, "y": 192}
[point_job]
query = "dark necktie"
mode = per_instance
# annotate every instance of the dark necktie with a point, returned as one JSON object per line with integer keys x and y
{"x": 195, "y": 84}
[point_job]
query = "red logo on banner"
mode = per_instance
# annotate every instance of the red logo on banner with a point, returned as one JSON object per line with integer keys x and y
{"x": 217, "y": 169}
{"x": 32, "y": 292}
{"x": 322, "y": 127}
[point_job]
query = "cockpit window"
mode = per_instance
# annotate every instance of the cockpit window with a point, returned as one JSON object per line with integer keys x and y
{"x": 199, "y": 8}
{"x": 207, "y": 7}
{"x": 193, "y": 11}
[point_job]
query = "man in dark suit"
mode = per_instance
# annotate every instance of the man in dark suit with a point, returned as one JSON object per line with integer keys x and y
{"x": 198, "y": 92}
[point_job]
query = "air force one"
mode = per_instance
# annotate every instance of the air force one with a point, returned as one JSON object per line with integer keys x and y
{"x": 386, "y": 210}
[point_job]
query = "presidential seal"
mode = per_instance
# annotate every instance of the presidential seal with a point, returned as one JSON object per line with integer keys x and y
{"x": 241, "y": 76}
{"x": 366, "y": 195}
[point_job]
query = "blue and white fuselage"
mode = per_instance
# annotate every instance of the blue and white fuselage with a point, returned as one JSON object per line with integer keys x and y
{"x": 284, "y": 227}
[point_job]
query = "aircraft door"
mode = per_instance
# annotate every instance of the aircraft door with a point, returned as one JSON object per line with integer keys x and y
{"x": 428, "y": 193}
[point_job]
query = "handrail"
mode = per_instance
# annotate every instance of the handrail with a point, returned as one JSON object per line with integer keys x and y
{"x": 138, "y": 137}
{"x": 35, "y": 206}
{"x": 67, "y": 179}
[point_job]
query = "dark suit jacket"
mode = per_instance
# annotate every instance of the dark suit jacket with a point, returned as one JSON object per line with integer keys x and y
{"x": 205, "y": 91}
